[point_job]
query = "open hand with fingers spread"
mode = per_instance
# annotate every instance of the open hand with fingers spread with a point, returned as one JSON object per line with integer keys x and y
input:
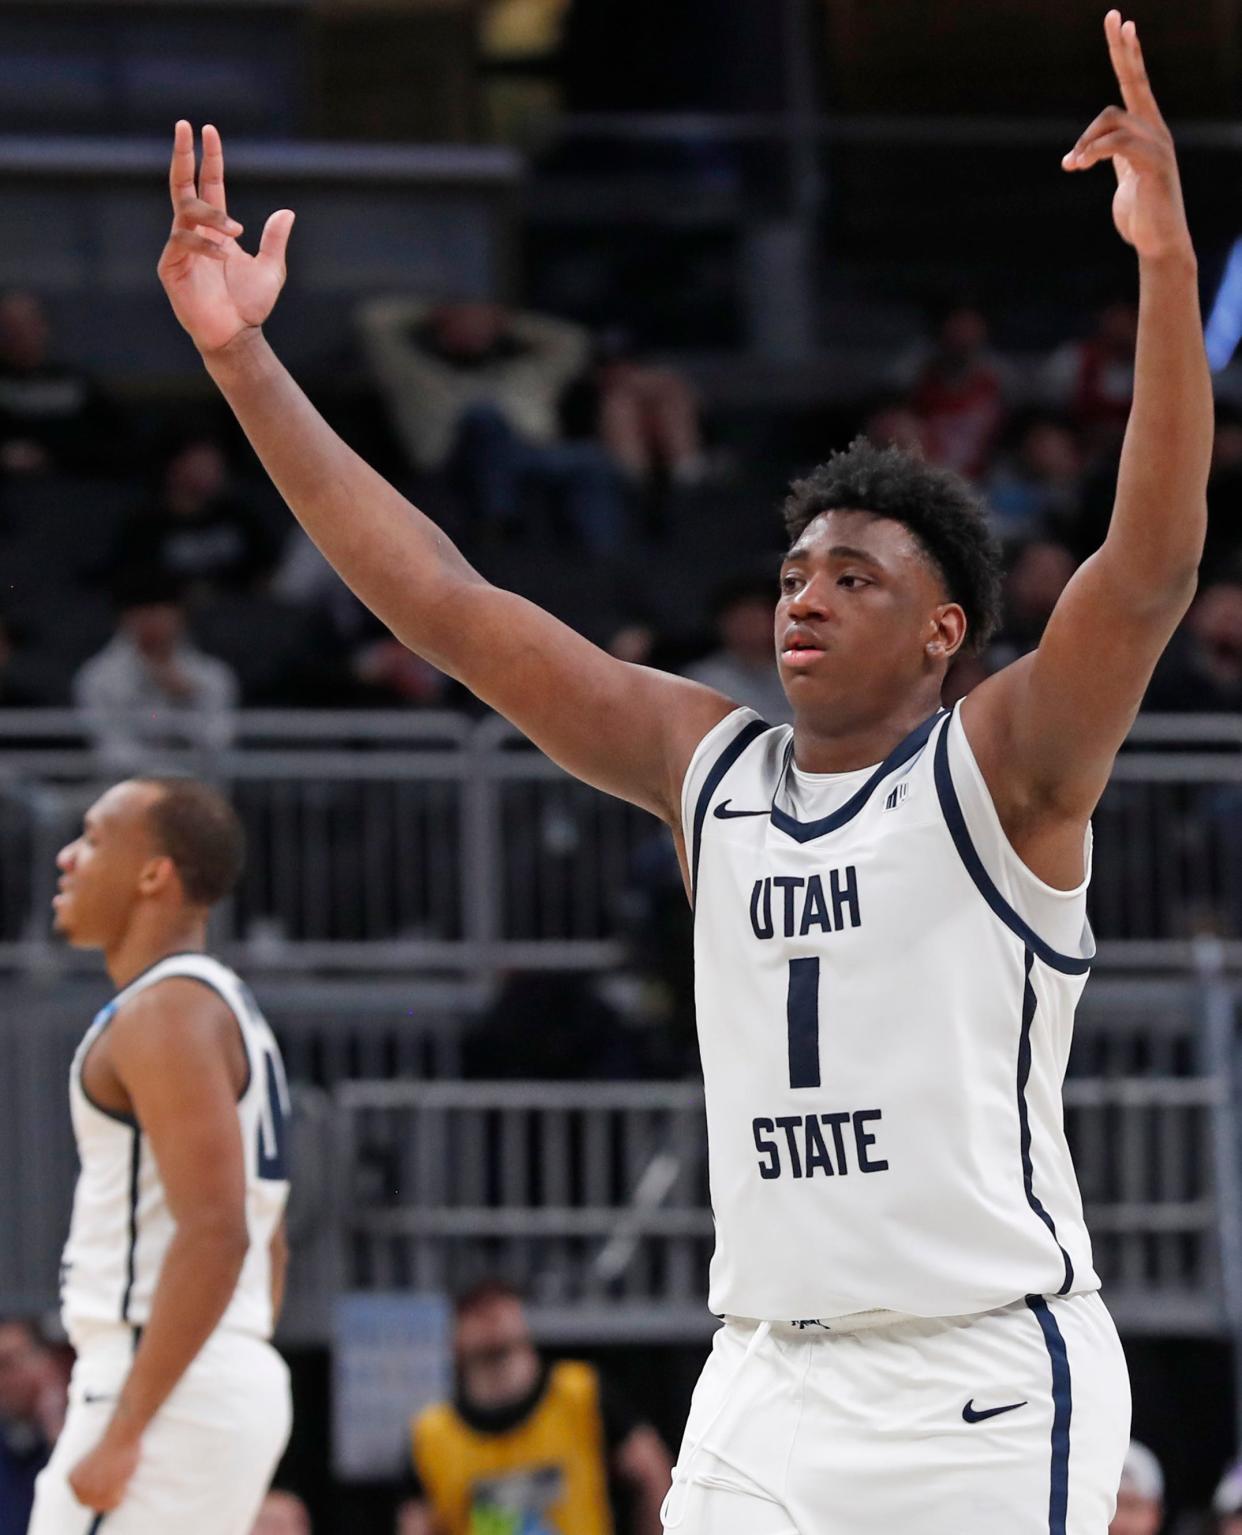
{"x": 1147, "y": 206}
{"x": 217, "y": 290}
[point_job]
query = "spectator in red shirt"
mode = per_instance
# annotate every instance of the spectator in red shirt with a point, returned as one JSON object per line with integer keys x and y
{"x": 958, "y": 392}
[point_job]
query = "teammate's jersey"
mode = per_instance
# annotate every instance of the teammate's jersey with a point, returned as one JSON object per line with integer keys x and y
{"x": 121, "y": 1225}
{"x": 885, "y": 999}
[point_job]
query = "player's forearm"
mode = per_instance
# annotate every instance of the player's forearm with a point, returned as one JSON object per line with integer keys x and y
{"x": 396, "y": 560}
{"x": 197, "y": 1280}
{"x": 1160, "y": 518}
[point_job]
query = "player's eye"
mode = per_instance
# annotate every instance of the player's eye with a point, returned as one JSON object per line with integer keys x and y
{"x": 853, "y": 583}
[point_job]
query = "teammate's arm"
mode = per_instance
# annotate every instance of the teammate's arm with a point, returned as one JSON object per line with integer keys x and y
{"x": 1046, "y": 729}
{"x": 172, "y": 1049}
{"x": 626, "y": 729}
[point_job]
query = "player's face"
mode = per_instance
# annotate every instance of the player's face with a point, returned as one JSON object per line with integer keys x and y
{"x": 859, "y": 603}
{"x": 1135, "y": 1515}
{"x": 102, "y": 868}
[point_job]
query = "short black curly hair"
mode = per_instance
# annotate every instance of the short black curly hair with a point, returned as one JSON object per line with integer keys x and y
{"x": 937, "y": 506}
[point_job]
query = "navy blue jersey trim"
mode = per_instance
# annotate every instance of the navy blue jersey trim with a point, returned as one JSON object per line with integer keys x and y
{"x": 96, "y": 1524}
{"x": 712, "y": 782}
{"x": 1062, "y": 1411}
{"x": 807, "y": 831}
{"x": 135, "y": 1165}
{"x": 1024, "y": 1075}
{"x": 1068, "y": 964}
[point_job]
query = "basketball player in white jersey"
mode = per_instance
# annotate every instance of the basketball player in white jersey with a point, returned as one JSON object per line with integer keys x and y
{"x": 890, "y": 923}
{"x": 179, "y": 1406}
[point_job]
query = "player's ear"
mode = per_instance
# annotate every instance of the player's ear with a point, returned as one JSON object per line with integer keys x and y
{"x": 948, "y": 631}
{"x": 157, "y": 875}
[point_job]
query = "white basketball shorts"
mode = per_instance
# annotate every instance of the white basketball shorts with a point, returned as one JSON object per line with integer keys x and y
{"x": 1015, "y": 1420}
{"x": 208, "y": 1455}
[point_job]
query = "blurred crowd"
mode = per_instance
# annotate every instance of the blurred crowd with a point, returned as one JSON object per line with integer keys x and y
{"x": 152, "y": 574}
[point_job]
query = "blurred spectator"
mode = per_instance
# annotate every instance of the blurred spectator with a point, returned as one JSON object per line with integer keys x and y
{"x": 1092, "y": 381}
{"x": 1038, "y": 574}
{"x": 646, "y": 417}
{"x": 282, "y": 1513}
{"x": 1140, "y": 1498}
{"x": 390, "y": 675}
{"x": 527, "y": 1444}
{"x": 33, "y": 1398}
{"x": 198, "y": 530}
{"x": 1224, "y": 494}
{"x": 1036, "y": 491}
{"x": 151, "y": 689}
{"x": 24, "y": 681}
{"x": 549, "y": 1025}
{"x": 743, "y": 665}
{"x": 1201, "y": 672}
{"x": 476, "y": 390}
{"x": 895, "y": 423}
{"x": 52, "y": 416}
{"x": 1227, "y": 1502}
{"x": 957, "y": 390}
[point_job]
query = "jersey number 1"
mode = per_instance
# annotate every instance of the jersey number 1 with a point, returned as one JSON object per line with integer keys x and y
{"x": 802, "y": 1012}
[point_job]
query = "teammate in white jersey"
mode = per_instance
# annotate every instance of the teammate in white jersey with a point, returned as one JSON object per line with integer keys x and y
{"x": 179, "y": 1407}
{"x": 890, "y": 924}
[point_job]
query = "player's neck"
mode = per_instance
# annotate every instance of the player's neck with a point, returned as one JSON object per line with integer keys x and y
{"x": 825, "y": 748}
{"x": 151, "y": 938}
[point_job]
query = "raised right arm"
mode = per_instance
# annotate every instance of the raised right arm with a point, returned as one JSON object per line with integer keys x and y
{"x": 625, "y": 729}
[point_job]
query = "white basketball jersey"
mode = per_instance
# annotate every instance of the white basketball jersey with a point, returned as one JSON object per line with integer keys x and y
{"x": 885, "y": 999}
{"x": 121, "y": 1225}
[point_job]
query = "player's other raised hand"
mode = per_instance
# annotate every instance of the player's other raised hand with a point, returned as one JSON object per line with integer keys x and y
{"x": 1147, "y": 206}
{"x": 217, "y": 290}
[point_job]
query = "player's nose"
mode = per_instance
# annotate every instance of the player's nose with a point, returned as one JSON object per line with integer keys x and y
{"x": 811, "y": 600}
{"x": 64, "y": 859}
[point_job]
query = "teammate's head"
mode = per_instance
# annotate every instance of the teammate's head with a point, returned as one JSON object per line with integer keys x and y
{"x": 891, "y": 569}
{"x": 165, "y": 845}
{"x": 497, "y": 1362}
{"x": 282, "y": 1513}
{"x": 1140, "y": 1498}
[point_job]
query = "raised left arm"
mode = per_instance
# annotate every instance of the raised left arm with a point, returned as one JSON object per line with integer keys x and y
{"x": 1047, "y": 729}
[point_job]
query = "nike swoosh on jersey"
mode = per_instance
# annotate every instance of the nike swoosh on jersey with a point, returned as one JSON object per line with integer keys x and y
{"x": 723, "y": 813}
{"x": 973, "y": 1414}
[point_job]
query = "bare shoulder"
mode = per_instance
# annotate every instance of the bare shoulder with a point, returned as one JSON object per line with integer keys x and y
{"x": 172, "y": 1017}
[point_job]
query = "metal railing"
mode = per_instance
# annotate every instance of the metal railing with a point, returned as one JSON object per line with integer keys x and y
{"x": 434, "y": 842}
{"x": 593, "y": 1196}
